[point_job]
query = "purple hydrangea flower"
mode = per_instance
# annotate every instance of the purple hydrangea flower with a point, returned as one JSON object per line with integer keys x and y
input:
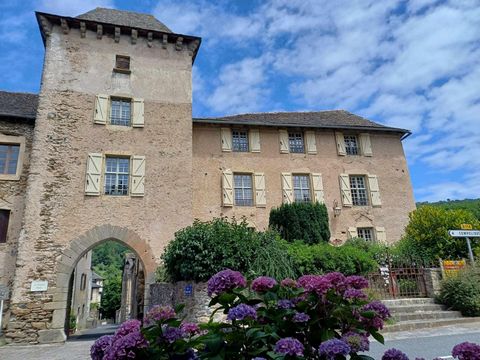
{"x": 357, "y": 282}
{"x": 357, "y": 342}
{"x": 259, "y": 358}
{"x": 127, "y": 327}
{"x": 338, "y": 281}
{"x": 159, "y": 313}
{"x": 172, "y": 334}
{"x": 263, "y": 283}
{"x": 289, "y": 283}
{"x": 334, "y": 347}
{"x": 394, "y": 354}
{"x": 100, "y": 346}
{"x": 190, "y": 328}
{"x": 353, "y": 294}
{"x": 225, "y": 280}
{"x": 300, "y": 317}
{"x": 289, "y": 346}
{"x": 285, "y": 304}
{"x": 242, "y": 312}
{"x": 466, "y": 351}
{"x": 315, "y": 283}
{"x": 124, "y": 347}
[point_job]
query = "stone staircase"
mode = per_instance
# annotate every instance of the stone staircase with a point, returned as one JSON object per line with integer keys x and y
{"x": 422, "y": 313}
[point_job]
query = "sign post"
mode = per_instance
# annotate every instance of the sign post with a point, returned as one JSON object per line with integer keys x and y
{"x": 467, "y": 234}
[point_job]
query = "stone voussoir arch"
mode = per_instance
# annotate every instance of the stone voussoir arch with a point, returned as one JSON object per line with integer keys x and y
{"x": 77, "y": 247}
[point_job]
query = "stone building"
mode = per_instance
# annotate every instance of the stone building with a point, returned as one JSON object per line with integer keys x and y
{"x": 82, "y": 291}
{"x": 108, "y": 150}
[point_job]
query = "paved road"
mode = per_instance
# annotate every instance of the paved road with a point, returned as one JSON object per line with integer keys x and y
{"x": 421, "y": 343}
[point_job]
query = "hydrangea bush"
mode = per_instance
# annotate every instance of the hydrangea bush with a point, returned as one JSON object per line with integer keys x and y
{"x": 317, "y": 317}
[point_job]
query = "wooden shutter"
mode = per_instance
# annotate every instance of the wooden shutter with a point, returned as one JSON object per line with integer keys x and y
{"x": 365, "y": 144}
{"x": 311, "y": 142}
{"x": 287, "y": 188}
{"x": 137, "y": 187}
{"x": 318, "y": 188}
{"x": 380, "y": 234}
{"x": 260, "y": 196}
{"x": 226, "y": 139}
{"x": 254, "y": 137}
{"x": 340, "y": 144}
{"x": 138, "y": 113}
{"x": 374, "y": 190}
{"x": 352, "y": 232}
{"x": 101, "y": 109}
{"x": 227, "y": 188}
{"x": 283, "y": 137}
{"x": 345, "y": 190}
{"x": 94, "y": 174}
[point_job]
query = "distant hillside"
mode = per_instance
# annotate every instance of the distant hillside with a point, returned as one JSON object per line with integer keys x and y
{"x": 472, "y": 205}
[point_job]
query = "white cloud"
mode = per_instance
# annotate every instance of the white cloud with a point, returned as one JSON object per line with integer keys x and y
{"x": 72, "y": 7}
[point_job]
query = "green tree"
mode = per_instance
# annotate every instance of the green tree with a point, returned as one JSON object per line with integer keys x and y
{"x": 472, "y": 205}
{"x": 307, "y": 222}
{"x": 427, "y": 233}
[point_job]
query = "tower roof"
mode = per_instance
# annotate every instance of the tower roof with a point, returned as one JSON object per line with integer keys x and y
{"x": 125, "y": 18}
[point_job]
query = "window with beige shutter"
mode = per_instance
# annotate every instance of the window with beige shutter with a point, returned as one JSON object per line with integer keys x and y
{"x": 345, "y": 190}
{"x": 374, "y": 190}
{"x": 352, "y": 232}
{"x": 287, "y": 188}
{"x": 260, "y": 191}
{"x": 138, "y": 117}
{"x": 227, "y": 188}
{"x": 380, "y": 234}
{"x": 317, "y": 183}
{"x": 137, "y": 187}
{"x": 311, "y": 142}
{"x": 93, "y": 174}
{"x": 254, "y": 136}
{"x": 365, "y": 144}
{"x": 226, "y": 139}
{"x": 341, "y": 150}
{"x": 101, "y": 109}
{"x": 283, "y": 139}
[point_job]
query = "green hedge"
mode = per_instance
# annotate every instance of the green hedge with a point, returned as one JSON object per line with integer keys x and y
{"x": 205, "y": 248}
{"x": 323, "y": 258}
{"x": 301, "y": 221}
{"x": 462, "y": 292}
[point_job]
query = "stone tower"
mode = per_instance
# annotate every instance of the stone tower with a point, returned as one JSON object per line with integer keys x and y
{"x": 111, "y": 157}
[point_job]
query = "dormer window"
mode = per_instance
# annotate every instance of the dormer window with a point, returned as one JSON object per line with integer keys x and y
{"x": 122, "y": 64}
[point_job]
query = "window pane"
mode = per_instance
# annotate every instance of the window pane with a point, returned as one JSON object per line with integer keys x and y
{"x": 359, "y": 190}
{"x": 243, "y": 189}
{"x": 351, "y": 145}
{"x": 240, "y": 141}
{"x": 120, "y": 112}
{"x": 365, "y": 233}
{"x": 9, "y": 158}
{"x": 117, "y": 176}
{"x": 295, "y": 142}
{"x": 301, "y": 188}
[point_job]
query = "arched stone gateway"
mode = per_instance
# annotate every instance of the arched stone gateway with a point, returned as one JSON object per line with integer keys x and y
{"x": 75, "y": 249}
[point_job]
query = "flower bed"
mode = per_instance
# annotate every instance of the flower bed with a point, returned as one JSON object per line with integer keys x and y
{"x": 325, "y": 317}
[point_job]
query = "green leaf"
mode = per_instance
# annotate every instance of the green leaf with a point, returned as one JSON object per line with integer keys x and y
{"x": 377, "y": 336}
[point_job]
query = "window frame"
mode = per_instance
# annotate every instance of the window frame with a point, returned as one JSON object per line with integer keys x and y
{"x": 10, "y": 140}
{"x": 356, "y": 191}
{"x": 348, "y": 152}
{"x": 293, "y": 148}
{"x": 302, "y": 189}
{"x": 247, "y": 139}
{"x": 366, "y": 229}
{"x": 113, "y": 99}
{"x": 105, "y": 173}
{"x": 252, "y": 188}
{"x": 4, "y": 240}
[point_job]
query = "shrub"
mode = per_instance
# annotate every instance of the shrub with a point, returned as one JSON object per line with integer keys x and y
{"x": 301, "y": 221}
{"x": 203, "y": 249}
{"x": 323, "y": 258}
{"x": 427, "y": 232}
{"x": 462, "y": 292}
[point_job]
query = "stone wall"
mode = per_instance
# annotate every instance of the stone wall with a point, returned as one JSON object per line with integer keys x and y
{"x": 388, "y": 163}
{"x": 193, "y": 295}
{"x": 433, "y": 278}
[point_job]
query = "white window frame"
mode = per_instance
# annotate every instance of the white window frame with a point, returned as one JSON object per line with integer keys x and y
{"x": 357, "y": 191}
{"x": 350, "y": 150}
{"x": 124, "y": 100}
{"x": 362, "y": 232}
{"x": 242, "y": 135}
{"x": 243, "y": 189}
{"x": 293, "y": 138}
{"x": 301, "y": 188}
{"x": 116, "y": 173}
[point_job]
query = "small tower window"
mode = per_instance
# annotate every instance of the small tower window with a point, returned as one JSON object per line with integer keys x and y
{"x": 122, "y": 64}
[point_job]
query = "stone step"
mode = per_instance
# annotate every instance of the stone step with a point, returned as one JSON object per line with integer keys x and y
{"x": 408, "y": 301}
{"x": 416, "y": 308}
{"x": 425, "y": 324}
{"x": 427, "y": 315}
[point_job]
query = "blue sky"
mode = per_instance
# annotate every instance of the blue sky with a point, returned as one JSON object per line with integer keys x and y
{"x": 412, "y": 63}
